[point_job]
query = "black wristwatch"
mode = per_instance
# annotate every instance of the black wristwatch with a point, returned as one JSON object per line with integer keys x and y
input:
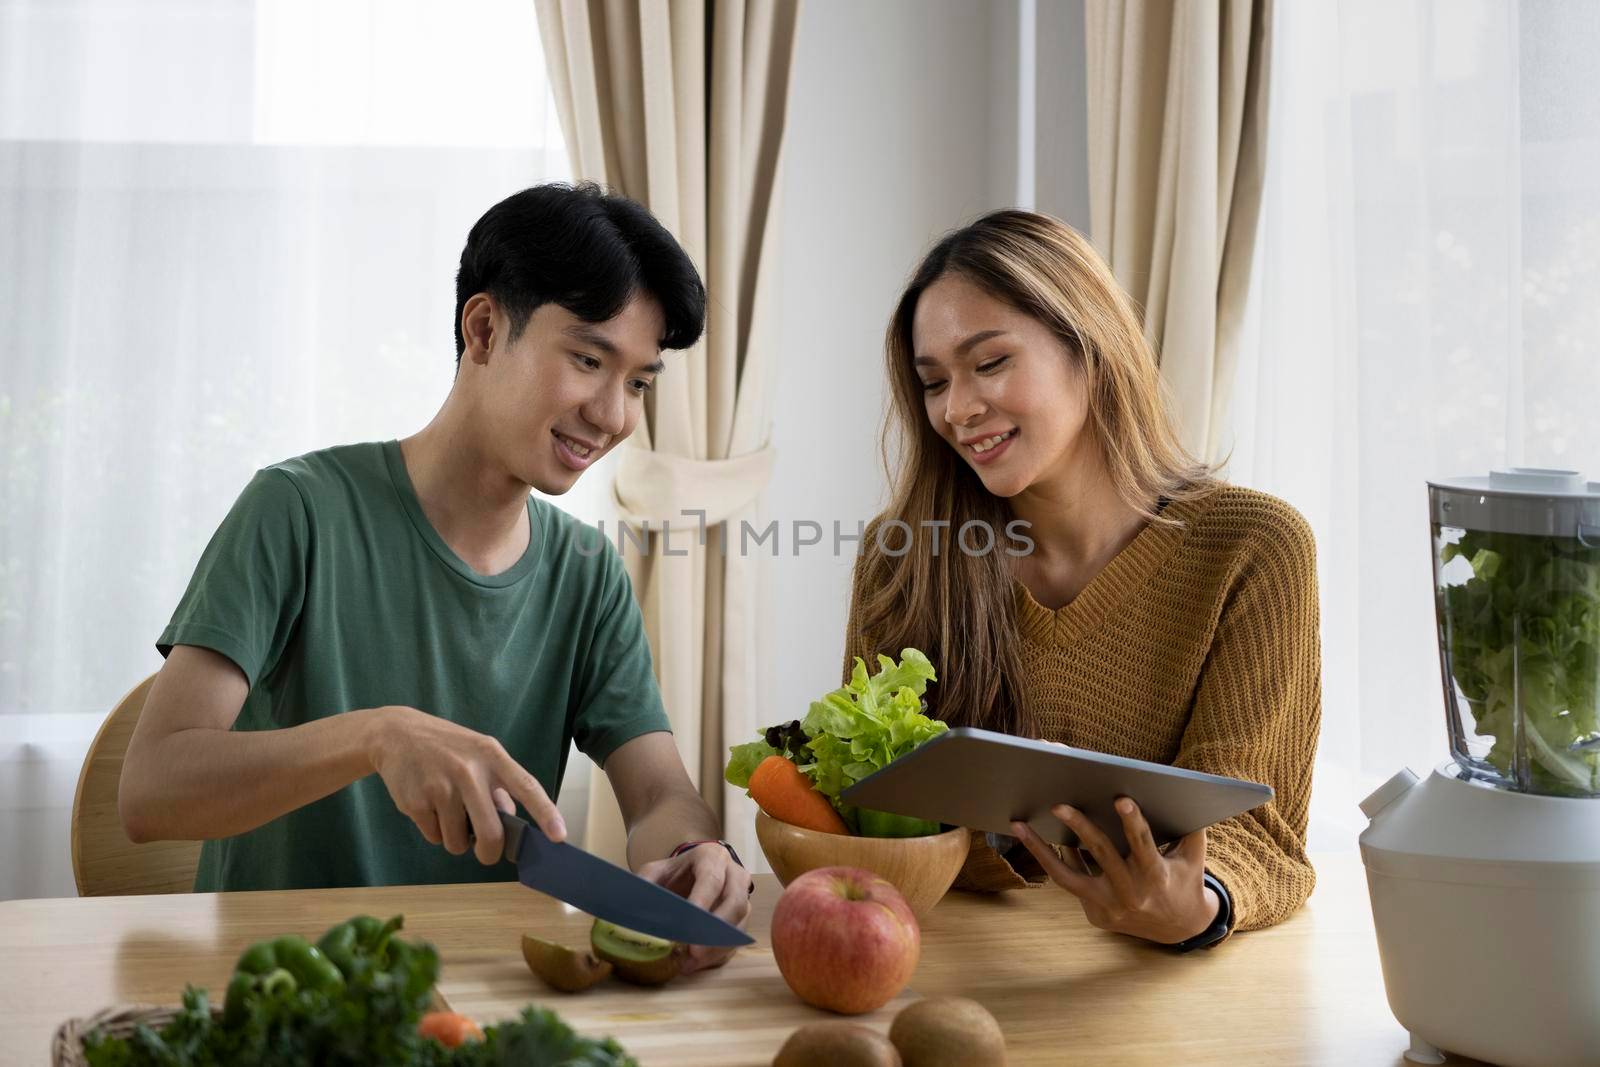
{"x": 1219, "y": 926}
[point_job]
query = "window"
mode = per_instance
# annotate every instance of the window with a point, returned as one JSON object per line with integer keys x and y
{"x": 228, "y": 235}
{"x": 1426, "y": 306}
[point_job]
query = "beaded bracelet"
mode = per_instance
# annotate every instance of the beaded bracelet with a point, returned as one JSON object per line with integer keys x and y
{"x": 687, "y": 845}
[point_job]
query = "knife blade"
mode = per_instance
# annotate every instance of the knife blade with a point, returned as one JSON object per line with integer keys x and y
{"x": 609, "y": 892}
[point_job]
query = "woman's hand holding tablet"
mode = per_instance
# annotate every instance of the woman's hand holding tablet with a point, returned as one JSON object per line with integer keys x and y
{"x": 1161, "y": 898}
{"x": 1121, "y": 812}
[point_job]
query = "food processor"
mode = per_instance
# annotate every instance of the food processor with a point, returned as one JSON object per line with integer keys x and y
{"x": 1485, "y": 875}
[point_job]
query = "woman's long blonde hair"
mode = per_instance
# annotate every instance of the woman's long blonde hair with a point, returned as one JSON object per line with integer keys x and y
{"x": 960, "y": 608}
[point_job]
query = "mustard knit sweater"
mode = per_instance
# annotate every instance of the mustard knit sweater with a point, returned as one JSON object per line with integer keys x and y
{"x": 1196, "y": 646}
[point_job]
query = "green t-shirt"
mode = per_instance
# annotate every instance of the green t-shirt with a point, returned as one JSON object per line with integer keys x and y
{"x": 330, "y": 589}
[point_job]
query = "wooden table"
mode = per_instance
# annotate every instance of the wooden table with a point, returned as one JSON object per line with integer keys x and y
{"x": 1306, "y": 992}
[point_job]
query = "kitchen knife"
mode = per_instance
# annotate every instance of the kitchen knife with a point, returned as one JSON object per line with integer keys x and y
{"x": 609, "y": 892}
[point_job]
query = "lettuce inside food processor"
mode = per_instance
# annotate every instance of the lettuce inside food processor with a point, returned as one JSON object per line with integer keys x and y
{"x": 1530, "y": 612}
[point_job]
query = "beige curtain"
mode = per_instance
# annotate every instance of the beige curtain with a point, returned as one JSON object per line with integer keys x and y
{"x": 681, "y": 106}
{"x": 1177, "y": 124}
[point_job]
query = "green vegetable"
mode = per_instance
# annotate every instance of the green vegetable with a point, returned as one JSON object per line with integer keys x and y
{"x": 788, "y": 739}
{"x": 311, "y": 969}
{"x": 277, "y": 1018}
{"x": 257, "y": 959}
{"x": 1530, "y": 611}
{"x": 372, "y": 935}
{"x": 539, "y": 1037}
{"x": 277, "y": 968}
{"x": 871, "y": 823}
{"x": 744, "y": 759}
{"x": 357, "y": 941}
{"x": 855, "y": 730}
{"x": 235, "y": 1007}
{"x": 370, "y": 1016}
{"x": 339, "y": 944}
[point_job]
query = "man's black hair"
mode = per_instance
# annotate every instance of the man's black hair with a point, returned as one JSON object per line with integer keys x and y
{"x": 585, "y": 249}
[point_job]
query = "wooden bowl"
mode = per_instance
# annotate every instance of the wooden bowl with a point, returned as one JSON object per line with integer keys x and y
{"x": 922, "y": 868}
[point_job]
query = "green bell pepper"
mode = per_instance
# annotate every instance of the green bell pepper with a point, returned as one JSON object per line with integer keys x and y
{"x": 280, "y": 967}
{"x": 362, "y": 937}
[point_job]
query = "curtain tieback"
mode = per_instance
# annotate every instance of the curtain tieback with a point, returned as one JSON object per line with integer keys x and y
{"x": 657, "y": 487}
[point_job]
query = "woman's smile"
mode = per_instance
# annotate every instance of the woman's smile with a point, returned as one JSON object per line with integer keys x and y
{"x": 990, "y": 448}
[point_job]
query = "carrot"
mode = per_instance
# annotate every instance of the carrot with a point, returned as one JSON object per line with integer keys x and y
{"x": 788, "y": 796}
{"x": 449, "y": 1028}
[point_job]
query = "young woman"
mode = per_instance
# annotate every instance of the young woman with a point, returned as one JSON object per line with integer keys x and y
{"x": 1147, "y": 609}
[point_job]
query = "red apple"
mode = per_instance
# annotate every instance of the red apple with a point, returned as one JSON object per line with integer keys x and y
{"x": 845, "y": 939}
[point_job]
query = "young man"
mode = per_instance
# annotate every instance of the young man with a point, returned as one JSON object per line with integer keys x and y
{"x": 383, "y": 643}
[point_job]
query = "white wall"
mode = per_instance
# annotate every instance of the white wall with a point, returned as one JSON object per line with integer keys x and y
{"x": 902, "y": 125}
{"x": 888, "y": 145}
{"x": 1060, "y": 133}
{"x": 1061, "y": 152}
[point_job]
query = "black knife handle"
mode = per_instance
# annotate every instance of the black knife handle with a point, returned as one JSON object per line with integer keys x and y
{"x": 513, "y": 828}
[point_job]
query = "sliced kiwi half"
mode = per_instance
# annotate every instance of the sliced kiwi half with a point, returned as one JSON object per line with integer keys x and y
{"x": 561, "y": 967}
{"x": 638, "y": 958}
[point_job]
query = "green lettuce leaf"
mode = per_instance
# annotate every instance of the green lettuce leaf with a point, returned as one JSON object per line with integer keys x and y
{"x": 743, "y": 761}
{"x": 854, "y": 731}
{"x": 864, "y": 726}
{"x": 1524, "y": 630}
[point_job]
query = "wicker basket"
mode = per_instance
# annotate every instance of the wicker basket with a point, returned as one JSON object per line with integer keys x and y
{"x": 66, "y": 1050}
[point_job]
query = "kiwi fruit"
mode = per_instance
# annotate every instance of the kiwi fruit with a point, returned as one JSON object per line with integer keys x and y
{"x": 948, "y": 1032}
{"x": 637, "y": 958}
{"x": 837, "y": 1044}
{"x": 561, "y": 967}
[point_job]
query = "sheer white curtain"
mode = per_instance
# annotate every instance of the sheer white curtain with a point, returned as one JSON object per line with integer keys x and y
{"x": 228, "y": 235}
{"x": 1427, "y": 303}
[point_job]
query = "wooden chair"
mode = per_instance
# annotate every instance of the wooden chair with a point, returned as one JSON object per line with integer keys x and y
{"x": 104, "y": 861}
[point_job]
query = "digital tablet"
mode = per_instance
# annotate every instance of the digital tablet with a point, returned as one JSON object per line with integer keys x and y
{"x": 986, "y": 780}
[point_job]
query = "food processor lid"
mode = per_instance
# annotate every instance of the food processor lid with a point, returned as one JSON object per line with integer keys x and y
{"x": 1520, "y": 500}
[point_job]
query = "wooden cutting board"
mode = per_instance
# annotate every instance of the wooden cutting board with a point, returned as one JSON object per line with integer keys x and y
{"x": 737, "y": 1015}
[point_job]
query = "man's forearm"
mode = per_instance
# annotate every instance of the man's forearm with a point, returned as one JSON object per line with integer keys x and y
{"x": 199, "y": 784}
{"x": 678, "y": 817}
